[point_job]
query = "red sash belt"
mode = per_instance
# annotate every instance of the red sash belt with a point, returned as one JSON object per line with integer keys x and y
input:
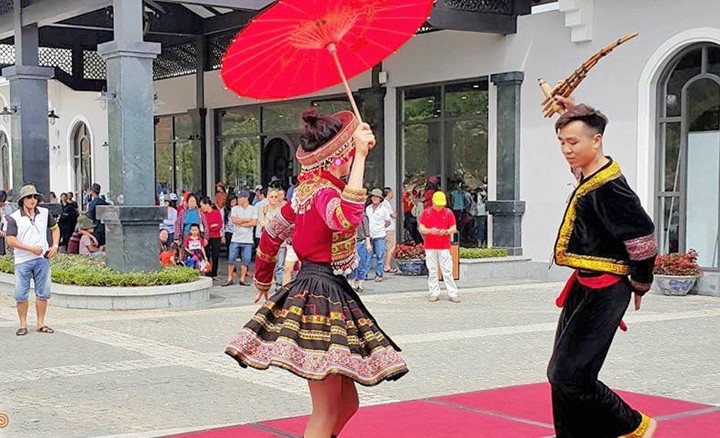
{"x": 599, "y": 282}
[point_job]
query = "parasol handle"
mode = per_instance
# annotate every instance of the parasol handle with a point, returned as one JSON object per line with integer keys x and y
{"x": 333, "y": 51}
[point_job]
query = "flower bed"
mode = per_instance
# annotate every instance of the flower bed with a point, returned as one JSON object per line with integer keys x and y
{"x": 77, "y": 270}
{"x": 482, "y": 253}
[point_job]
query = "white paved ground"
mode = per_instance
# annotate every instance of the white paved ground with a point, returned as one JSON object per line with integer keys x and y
{"x": 151, "y": 373}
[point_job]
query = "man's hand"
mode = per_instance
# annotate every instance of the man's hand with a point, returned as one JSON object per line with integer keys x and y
{"x": 566, "y": 102}
{"x": 51, "y": 252}
{"x": 638, "y": 301}
{"x": 37, "y": 250}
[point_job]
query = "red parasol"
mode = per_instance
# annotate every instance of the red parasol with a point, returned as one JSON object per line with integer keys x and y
{"x": 288, "y": 49}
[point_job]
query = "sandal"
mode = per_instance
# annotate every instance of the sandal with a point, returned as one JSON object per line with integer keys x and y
{"x": 21, "y": 332}
{"x": 45, "y": 329}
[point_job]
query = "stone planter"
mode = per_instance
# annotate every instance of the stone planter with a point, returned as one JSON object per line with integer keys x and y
{"x": 121, "y": 298}
{"x": 412, "y": 267}
{"x": 676, "y": 285}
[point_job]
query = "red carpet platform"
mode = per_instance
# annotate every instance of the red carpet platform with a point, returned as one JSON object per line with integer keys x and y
{"x": 512, "y": 412}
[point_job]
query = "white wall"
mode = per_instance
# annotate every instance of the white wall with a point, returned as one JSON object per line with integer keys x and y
{"x": 74, "y": 107}
{"x": 542, "y": 48}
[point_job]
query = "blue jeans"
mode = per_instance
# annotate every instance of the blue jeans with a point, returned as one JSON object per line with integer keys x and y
{"x": 240, "y": 251}
{"x": 280, "y": 267}
{"x": 481, "y": 229}
{"x": 38, "y": 270}
{"x": 360, "y": 272}
{"x": 378, "y": 249}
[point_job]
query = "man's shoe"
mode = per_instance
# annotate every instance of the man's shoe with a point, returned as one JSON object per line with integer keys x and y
{"x": 454, "y": 299}
{"x": 378, "y": 279}
{"x": 433, "y": 298}
{"x": 228, "y": 283}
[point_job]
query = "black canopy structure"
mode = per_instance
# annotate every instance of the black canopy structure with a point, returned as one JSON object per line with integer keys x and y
{"x": 193, "y": 34}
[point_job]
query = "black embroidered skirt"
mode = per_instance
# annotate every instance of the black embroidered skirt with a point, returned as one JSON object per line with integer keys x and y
{"x": 315, "y": 327}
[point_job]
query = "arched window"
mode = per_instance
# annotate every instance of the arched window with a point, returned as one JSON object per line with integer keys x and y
{"x": 5, "y": 177}
{"x": 82, "y": 160}
{"x": 688, "y": 165}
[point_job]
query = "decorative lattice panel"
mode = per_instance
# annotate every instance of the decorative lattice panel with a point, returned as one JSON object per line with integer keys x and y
{"x": 6, "y": 6}
{"x": 7, "y": 54}
{"x": 504, "y": 7}
{"x": 217, "y": 46}
{"x": 93, "y": 66}
{"x": 53, "y": 57}
{"x": 177, "y": 60}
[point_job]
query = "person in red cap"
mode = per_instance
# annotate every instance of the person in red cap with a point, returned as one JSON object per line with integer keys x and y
{"x": 311, "y": 326}
{"x": 609, "y": 240}
{"x": 437, "y": 224}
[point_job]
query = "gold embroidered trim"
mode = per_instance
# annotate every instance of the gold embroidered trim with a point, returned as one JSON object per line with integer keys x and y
{"x": 640, "y": 431}
{"x": 564, "y": 258}
{"x": 306, "y": 191}
{"x": 354, "y": 195}
{"x": 265, "y": 257}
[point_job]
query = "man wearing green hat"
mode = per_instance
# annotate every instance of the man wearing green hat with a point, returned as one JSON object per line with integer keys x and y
{"x": 27, "y": 234}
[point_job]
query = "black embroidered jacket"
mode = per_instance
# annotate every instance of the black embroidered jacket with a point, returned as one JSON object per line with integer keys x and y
{"x": 605, "y": 229}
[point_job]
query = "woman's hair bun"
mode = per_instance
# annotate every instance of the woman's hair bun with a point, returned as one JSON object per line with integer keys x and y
{"x": 311, "y": 116}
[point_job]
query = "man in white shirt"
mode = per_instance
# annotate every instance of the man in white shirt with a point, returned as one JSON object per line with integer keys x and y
{"x": 27, "y": 234}
{"x": 379, "y": 219}
{"x": 244, "y": 216}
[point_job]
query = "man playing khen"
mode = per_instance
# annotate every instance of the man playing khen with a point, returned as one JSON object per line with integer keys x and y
{"x": 609, "y": 240}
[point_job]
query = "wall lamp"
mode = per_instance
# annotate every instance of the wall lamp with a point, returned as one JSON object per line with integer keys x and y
{"x": 53, "y": 117}
{"x": 7, "y": 112}
{"x": 106, "y": 97}
{"x": 105, "y": 145}
{"x": 56, "y": 148}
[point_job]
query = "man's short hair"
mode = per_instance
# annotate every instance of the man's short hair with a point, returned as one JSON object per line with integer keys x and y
{"x": 593, "y": 118}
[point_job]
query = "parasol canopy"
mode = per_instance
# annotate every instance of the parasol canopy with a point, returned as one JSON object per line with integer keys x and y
{"x": 290, "y": 49}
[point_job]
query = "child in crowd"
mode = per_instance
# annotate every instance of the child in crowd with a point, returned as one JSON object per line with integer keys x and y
{"x": 194, "y": 246}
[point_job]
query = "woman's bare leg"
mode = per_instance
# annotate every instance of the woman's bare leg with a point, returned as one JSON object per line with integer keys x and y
{"x": 326, "y": 401}
{"x": 350, "y": 404}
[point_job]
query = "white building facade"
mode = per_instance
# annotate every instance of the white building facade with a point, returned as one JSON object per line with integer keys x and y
{"x": 661, "y": 92}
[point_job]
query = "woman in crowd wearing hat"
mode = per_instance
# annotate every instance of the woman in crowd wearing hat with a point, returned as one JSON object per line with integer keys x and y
{"x": 317, "y": 327}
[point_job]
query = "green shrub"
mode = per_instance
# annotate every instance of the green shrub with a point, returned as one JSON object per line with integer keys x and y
{"x": 482, "y": 253}
{"x": 80, "y": 270}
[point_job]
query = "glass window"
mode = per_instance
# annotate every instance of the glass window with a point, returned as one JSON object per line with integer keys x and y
{"x": 714, "y": 60}
{"x": 5, "y": 177}
{"x": 240, "y": 161}
{"x": 467, "y": 161}
{"x": 669, "y": 224}
{"x": 283, "y": 118}
{"x": 421, "y": 150}
{"x": 688, "y": 66}
{"x": 178, "y": 158}
{"x": 183, "y": 128}
{"x": 164, "y": 129}
{"x": 466, "y": 100}
{"x": 671, "y": 140}
{"x": 421, "y": 104}
{"x": 332, "y": 106}
{"x": 164, "y": 165}
{"x": 188, "y": 170}
{"x": 688, "y": 205}
{"x": 239, "y": 121}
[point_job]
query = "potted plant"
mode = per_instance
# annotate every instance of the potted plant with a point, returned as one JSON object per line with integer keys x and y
{"x": 410, "y": 259}
{"x": 677, "y": 273}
